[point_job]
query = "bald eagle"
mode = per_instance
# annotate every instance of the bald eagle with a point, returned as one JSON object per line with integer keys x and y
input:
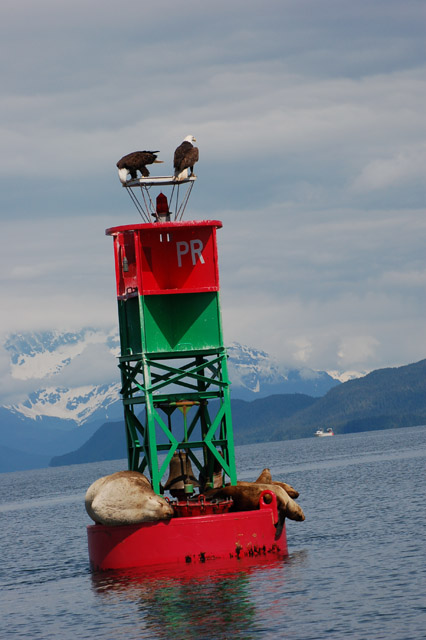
{"x": 134, "y": 162}
{"x": 186, "y": 155}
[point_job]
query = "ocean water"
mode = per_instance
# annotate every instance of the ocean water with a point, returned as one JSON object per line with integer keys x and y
{"x": 356, "y": 566}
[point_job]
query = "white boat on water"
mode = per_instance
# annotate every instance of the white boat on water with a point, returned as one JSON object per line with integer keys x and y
{"x": 321, "y": 433}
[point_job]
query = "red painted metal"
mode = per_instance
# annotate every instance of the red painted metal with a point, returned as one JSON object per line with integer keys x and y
{"x": 200, "y": 507}
{"x": 171, "y": 257}
{"x": 161, "y": 205}
{"x": 188, "y": 539}
{"x": 268, "y": 500}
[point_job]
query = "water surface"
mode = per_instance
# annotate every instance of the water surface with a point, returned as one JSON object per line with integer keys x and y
{"x": 356, "y": 569}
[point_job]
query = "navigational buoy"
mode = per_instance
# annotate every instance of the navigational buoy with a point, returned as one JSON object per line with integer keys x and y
{"x": 177, "y": 405}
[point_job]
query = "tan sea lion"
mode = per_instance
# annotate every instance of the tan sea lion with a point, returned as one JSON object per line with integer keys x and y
{"x": 266, "y": 478}
{"x": 125, "y": 497}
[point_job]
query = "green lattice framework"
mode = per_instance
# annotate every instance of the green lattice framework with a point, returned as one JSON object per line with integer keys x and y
{"x": 175, "y": 386}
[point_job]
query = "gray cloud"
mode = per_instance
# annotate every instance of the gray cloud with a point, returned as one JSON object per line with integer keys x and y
{"x": 309, "y": 118}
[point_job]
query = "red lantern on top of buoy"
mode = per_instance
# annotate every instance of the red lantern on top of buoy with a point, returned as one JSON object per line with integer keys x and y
{"x": 162, "y": 208}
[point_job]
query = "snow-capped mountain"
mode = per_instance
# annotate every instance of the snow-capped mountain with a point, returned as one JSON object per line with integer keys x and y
{"x": 348, "y": 375}
{"x": 57, "y": 388}
{"x": 62, "y": 375}
{"x": 39, "y": 355}
{"x": 78, "y": 404}
{"x": 254, "y": 374}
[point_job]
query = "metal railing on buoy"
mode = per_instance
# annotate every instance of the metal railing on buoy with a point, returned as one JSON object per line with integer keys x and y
{"x": 139, "y": 190}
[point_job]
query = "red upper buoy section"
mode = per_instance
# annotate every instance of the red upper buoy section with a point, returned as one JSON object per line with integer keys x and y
{"x": 172, "y": 257}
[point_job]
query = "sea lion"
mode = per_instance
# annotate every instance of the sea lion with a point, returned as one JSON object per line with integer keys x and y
{"x": 125, "y": 497}
{"x": 266, "y": 478}
{"x": 246, "y": 496}
{"x": 217, "y": 477}
{"x": 285, "y": 503}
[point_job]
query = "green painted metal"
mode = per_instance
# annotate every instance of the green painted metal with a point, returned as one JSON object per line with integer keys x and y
{"x": 182, "y": 322}
{"x": 175, "y": 385}
{"x": 170, "y": 323}
{"x": 196, "y": 384}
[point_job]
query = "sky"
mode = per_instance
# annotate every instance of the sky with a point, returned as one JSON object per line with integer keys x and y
{"x": 309, "y": 117}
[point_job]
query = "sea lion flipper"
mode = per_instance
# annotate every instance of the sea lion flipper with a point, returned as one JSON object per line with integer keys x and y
{"x": 265, "y": 477}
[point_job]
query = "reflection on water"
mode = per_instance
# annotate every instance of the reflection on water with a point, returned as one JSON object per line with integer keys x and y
{"x": 219, "y": 599}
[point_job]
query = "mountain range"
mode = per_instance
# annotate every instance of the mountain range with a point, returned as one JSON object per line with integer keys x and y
{"x": 60, "y": 387}
{"x": 383, "y": 399}
{"x": 60, "y": 401}
{"x": 388, "y": 398}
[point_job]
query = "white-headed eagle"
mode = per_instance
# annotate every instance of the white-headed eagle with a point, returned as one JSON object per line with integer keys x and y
{"x": 186, "y": 155}
{"x": 134, "y": 162}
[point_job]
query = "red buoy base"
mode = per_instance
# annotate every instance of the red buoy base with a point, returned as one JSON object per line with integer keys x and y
{"x": 187, "y": 539}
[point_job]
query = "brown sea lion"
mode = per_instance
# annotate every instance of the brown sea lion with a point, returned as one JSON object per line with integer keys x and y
{"x": 266, "y": 478}
{"x": 217, "y": 477}
{"x": 246, "y": 495}
{"x": 125, "y": 497}
{"x": 285, "y": 503}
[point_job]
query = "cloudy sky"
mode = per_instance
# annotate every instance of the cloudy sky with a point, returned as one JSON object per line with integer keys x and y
{"x": 310, "y": 121}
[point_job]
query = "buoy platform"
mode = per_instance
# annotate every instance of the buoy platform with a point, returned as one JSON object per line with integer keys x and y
{"x": 157, "y": 181}
{"x": 189, "y": 539}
